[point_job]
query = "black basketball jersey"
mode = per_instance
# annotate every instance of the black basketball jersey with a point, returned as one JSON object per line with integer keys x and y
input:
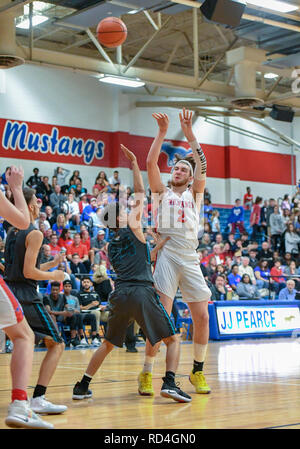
{"x": 130, "y": 257}
{"x": 14, "y": 254}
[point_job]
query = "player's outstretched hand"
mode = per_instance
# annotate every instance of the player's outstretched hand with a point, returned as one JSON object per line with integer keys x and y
{"x": 59, "y": 275}
{"x": 14, "y": 177}
{"x": 129, "y": 154}
{"x": 162, "y": 121}
{"x": 186, "y": 122}
{"x": 158, "y": 240}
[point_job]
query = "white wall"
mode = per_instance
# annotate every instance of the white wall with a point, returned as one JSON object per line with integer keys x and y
{"x": 62, "y": 97}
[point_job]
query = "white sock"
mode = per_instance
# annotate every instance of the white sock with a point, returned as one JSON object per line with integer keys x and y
{"x": 199, "y": 352}
{"x": 148, "y": 364}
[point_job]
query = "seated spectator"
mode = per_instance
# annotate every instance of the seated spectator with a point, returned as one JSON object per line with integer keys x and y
{"x": 65, "y": 238}
{"x": 42, "y": 219}
{"x": 77, "y": 267}
{"x": 253, "y": 260}
{"x": 217, "y": 254}
{"x": 34, "y": 180}
{"x": 114, "y": 179}
{"x": 234, "y": 278}
{"x": 102, "y": 255}
{"x": 236, "y": 218}
{"x": 102, "y": 283}
{"x": 50, "y": 217}
{"x": 220, "y": 269}
{"x": 61, "y": 223}
{"x": 285, "y": 204}
{"x": 255, "y": 217}
{"x": 206, "y": 194}
{"x": 75, "y": 319}
{"x": 227, "y": 251}
{"x": 88, "y": 210}
{"x": 266, "y": 254}
{"x": 215, "y": 223}
{"x": 74, "y": 177}
{"x": 54, "y": 247}
{"x": 246, "y": 290}
{"x": 219, "y": 239}
{"x": 44, "y": 190}
{"x": 90, "y": 302}
{"x": 207, "y": 210}
{"x": 277, "y": 272}
{"x": 83, "y": 202}
{"x": 55, "y": 303}
{"x": 211, "y": 267}
{"x": 245, "y": 268}
{"x": 293, "y": 273}
{"x": 205, "y": 242}
{"x": 289, "y": 292}
{"x": 57, "y": 200}
{"x": 248, "y": 199}
{"x": 72, "y": 213}
{"x": 98, "y": 242}
{"x": 276, "y": 228}
{"x": 95, "y": 222}
{"x": 292, "y": 240}
{"x": 202, "y": 267}
{"x": 79, "y": 248}
{"x": 262, "y": 274}
{"x": 219, "y": 290}
{"x": 101, "y": 185}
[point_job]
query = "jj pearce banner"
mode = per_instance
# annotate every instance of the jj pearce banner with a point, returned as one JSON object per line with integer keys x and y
{"x": 257, "y": 319}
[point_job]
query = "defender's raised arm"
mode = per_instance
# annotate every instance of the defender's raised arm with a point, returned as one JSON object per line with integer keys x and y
{"x": 153, "y": 171}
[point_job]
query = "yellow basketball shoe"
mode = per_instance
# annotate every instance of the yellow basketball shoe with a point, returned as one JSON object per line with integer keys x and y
{"x": 199, "y": 382}
{"x": 145, "y": 384}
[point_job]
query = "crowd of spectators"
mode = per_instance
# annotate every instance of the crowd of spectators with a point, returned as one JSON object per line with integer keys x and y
{"x": 260, "y": 263}
{"x": 236, "y": 264}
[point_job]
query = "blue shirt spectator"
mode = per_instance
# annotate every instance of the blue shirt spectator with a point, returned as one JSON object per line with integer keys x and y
{"x": 289, "y": 292}
{"x": 234, "y": 278}
{"x": 237, "y": 213}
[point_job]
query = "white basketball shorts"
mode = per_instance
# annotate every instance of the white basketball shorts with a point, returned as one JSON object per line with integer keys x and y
{"x": 174, "y": 270}
{"x": 11, "y": 311}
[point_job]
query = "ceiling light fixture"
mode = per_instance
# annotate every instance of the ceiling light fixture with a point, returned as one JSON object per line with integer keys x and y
{"x": 36, "y": 20}
{"x": 276, "y": 5}
{"x": 271, "y": 76}
{"x": 121, "y": 81}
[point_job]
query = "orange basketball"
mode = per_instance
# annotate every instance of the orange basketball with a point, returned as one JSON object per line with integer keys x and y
{"x": 111, "y": 32}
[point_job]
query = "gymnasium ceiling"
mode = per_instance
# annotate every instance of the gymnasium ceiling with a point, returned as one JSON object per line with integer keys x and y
{"x": 170, "y": 45}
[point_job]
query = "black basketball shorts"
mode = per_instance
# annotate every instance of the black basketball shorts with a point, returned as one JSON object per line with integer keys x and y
{"x": 35, "y": 312}
{"x": 140, "y": 303}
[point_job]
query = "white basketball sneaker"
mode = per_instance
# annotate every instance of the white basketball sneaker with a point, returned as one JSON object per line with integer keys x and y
{"x": 42, "y": 406}
{"x": 21, "y": 415}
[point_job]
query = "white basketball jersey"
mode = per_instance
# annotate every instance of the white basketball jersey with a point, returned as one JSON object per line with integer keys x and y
{"x": 178, "y": 217}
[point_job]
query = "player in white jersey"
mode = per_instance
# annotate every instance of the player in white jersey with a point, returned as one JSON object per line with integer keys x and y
{"x": 177, "y": 265}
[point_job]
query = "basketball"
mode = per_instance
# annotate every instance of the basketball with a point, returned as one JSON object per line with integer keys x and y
{"x": 111, "y": 32}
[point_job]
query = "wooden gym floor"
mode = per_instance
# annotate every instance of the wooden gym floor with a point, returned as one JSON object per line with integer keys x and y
{"x": 255, "y": 385}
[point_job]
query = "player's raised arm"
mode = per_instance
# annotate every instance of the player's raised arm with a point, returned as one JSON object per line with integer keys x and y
{"x": 17, "y": 215}
{"x": 155, "y": 182}
{"x": 135, "y": 216}
{"x": 199, "y": 157}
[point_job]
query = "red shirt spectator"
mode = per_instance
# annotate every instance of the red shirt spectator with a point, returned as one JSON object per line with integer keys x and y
{"x": 77, "y": 247}
{"x": 65, "y": 239}
{"x": 277, "y": 271}
{"x": 54, "y": 247}
{"x": 248, "y": 199}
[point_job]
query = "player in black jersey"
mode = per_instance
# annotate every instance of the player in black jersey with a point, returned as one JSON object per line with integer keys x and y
{"x": 12, "y": 319}
{"x": 22, "y": 271}
{"x": 134, "y": 297}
